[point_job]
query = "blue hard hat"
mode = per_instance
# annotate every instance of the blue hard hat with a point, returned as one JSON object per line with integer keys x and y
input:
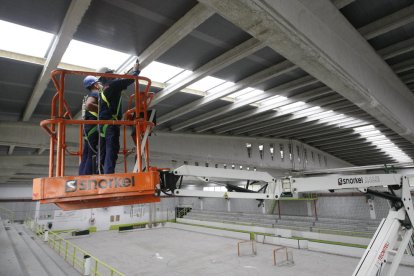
{"x": 89, "y": 81}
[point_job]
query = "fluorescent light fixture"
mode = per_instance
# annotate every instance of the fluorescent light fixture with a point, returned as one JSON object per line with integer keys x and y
{"x": 206, "y": 83}
{"x": 24, "y": 40}
{"x": 221, "y": 87}
{"x": 160, "y": 72}
{"x": 92, "y": 56}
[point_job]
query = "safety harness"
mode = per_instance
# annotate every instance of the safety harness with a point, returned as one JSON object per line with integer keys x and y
{"x": 114, "y": 116}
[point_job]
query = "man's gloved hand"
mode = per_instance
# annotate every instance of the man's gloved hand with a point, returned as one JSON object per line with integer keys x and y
{"x": 137, "y": 66}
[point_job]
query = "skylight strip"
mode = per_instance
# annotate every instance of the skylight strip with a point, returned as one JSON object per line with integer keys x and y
{"x": 92, "y": 56}
{"x": 332, "y": 118}
{"x": 206, "y": 83}
{"x": 160, "y": 72}
{"x": 221, "y": 87}
{"x": 24, "y": 40}
{"x": 251, "y": 94}
{"x": 241, "y": 92}
{"x": 321, "y": 115}
{"x": 377, "y": 138}
{"x": 180, "y": 77}
{"x": 308, "y": 111}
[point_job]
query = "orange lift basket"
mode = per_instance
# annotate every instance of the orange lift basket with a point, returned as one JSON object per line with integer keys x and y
{"x": 95, "y": 191}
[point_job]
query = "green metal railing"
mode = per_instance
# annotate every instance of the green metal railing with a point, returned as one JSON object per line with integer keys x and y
{"x": 72, "y": 253}
{"x": 7, "y": 214}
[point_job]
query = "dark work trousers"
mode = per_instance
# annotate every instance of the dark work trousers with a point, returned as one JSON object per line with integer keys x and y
{"x": 110, "y": 148}
{"x": 90, "y": 149}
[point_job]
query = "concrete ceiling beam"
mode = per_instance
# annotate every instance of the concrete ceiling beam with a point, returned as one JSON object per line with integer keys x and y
{"x": 248, "y": 126}
{"x": 279, "y": 90}
{"x": 10, "y": 150}
{"x": 31, "y": 135}
{"x": 266, "y": 74}
{"x": 308, "y": 125}
{"x": 404, "y": 66}
{"x": 342, "y": 3}
{"x": 39, "y": 61}
{"x": 73, "y": 18}
{"x": 301, "y": 125}
{"x": 239, "y": 52}
{"x": 388, "y": 23}
{"x": 306, "y": 96}
{"x": 397, "y": 49}
{"x": 184, "y": 26}
{"x": 315, "y": 36}
{"x": 409, "y": 78}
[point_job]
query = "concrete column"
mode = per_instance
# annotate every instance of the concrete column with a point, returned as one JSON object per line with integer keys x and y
{"x": 309, "y": 208}
{"x": 371, "y": 205}
{"x": 201, "y": 204}
{"x": 46, "y": 236}
{"x": 228, "y": 205}
{"x": 264, "y": 207}
{"x": 87, "y": 265}
{"x": 37, "y": 210}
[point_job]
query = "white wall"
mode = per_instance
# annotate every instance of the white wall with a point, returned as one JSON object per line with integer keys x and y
{"x": 101, "y": 217}
{"x": 348, "y": 207}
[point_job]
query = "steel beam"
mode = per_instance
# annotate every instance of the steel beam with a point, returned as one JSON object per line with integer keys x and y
{"x": 73, "y": 17}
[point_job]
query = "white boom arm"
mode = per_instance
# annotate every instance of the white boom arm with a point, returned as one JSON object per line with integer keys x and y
{"x": 398, "y": 223}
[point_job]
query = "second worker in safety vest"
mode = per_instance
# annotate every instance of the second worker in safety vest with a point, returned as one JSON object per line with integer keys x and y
{"x": 110, "y": 108}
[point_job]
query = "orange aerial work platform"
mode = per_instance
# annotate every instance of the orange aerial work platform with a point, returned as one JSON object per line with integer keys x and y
{"x": 94, "y": 191}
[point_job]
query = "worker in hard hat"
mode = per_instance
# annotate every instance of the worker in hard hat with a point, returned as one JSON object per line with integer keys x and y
{"x": 90, "y": 132}
{"x": 110, "y": 108}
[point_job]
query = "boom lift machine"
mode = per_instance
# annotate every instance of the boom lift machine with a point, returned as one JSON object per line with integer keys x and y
{"x": 145, "y": 184}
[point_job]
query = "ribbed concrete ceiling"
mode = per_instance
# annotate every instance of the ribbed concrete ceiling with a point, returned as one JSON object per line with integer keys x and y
{"x": 208, "y": 39}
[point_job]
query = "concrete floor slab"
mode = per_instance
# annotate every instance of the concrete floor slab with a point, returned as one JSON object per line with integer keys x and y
{"x": 167, "y": 251}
